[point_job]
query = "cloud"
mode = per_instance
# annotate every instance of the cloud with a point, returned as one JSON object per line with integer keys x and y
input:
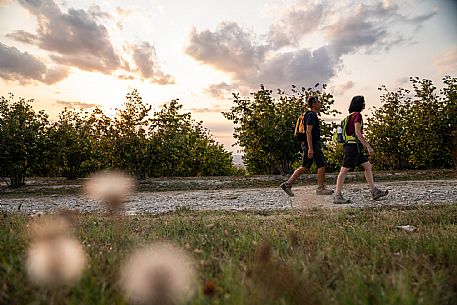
{"x": 446, "y": 61}
{"x": 229, "y": 48}
{"x": 295, "y": 22}
{"x": 301, "y": 66}
{"x": 123, "y": 12}
{"x": 278, "y": 58}
{"x": 219, "y": 128}
{"x": 420, "y": 19}
{"x": 126, "y": 76}
{"x": 96, "y": 12}
{"x": 25, "y": 68}
{"x": 75, "y": 38}
{"x": 220, "y": 91}
{"x": 23, "y": 36}
{"x": 366, "y": 27}
{"x": 145, "y": 58}
{"x": 76, "y": 104}
{"x": 402, "y": 81}
{"x": 342, "y": 88}
{"x": 214, "y": 109}
{"x": 233, "y": 50}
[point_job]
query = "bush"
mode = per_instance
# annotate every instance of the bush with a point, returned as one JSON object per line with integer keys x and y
{"x": 264, "y": 127}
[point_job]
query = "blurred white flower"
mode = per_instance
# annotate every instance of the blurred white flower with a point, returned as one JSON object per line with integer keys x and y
{"x": 111, "y": 188}
{"x": 59, "y": 261}
{"x": 54, "y": 257}
{"x": 159, "y": 274}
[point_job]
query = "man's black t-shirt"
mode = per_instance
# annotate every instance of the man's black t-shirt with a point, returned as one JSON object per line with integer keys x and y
{"x": 312, "y": 119}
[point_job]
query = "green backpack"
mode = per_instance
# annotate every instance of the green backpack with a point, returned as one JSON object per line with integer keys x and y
{"x": 340, "y": 136}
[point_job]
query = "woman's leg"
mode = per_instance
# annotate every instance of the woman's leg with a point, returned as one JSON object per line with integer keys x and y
{"x": 341, "y": 178}
{"x": 368, "y": 171}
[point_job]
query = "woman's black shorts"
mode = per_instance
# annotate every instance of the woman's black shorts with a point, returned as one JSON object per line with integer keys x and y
{"x": 354, "y": 155}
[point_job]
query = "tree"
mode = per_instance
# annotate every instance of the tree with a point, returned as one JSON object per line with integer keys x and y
{"x": 180, "y": 146}
{"x": 129, "y": 132}
{"x": 22, "y": 132}
{"x": 101, "y": 132}
{"x": 264, "y": 127}
{"x": 387, "y": 130}
{"x": 449, "y": 95}
{"x": 415, "y": 130}
{"x": 69, "y": 142}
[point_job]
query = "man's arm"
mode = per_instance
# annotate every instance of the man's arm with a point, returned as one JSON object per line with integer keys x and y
{"x": 359, "y": 134}
{"x": 309, "y": 138}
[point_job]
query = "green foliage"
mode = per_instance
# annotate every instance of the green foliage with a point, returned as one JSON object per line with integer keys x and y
{"x": 264, "y": 127}
{"x": 68, "y": 147}
{"x": 22, "y": 133}
{"x": 180, "y": 146}
{"x": 449, "y": 94}
{"x": 79, "y": 143}
{"x": 415, "y": 130}
{"x": 333, "y": 153}
{"x": 129, "y": 135}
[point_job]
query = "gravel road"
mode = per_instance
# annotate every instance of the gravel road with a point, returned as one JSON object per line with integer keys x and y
{"x": 258, "y": 199}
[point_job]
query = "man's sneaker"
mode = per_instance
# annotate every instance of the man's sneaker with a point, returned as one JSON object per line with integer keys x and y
{"x": 377, "y": 193}
{"x": 340, "y": 200}
{"x": 323, "y": 190}
{"x": 286, "y": 187}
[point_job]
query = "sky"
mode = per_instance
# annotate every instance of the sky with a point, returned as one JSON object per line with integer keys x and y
{"x": 86, "y": 54}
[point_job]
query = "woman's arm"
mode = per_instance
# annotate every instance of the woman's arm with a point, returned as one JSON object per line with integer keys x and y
{"x": 359, "y": 134}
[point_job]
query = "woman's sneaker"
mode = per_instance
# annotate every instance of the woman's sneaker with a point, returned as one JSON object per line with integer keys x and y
{"x": 340, "y": 200}
{"x": 286, "y": 187}
{"x": 323, "y": 190}
{"x": 377, "y": 193}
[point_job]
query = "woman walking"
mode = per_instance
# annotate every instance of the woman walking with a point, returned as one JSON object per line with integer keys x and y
{"x": 354, "y": 154}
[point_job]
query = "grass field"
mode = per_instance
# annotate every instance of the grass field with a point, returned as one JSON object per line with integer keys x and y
{"x": 351, "y": 256}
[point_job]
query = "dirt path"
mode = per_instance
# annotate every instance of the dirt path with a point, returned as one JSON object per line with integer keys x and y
{"x": 261, "y": 199}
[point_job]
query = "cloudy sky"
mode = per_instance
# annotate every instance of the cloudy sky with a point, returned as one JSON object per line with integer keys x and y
{"x": 83, "y": 54}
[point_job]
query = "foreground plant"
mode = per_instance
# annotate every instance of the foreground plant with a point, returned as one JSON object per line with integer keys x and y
{"x": 159, "y": 274}
{"x": 110, "y": 188}
{"x": 54, "y": 258}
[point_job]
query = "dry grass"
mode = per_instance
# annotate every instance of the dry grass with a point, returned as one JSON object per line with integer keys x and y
{"x": 353, "y": 256}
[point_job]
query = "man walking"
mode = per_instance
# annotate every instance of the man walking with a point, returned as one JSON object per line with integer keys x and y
{"x": 308, "y": 125}
{"x": 354, "y": 154}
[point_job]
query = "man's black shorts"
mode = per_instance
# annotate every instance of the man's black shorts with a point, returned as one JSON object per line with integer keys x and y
{"x": 318, "y": 157}
{"x": 353, "y": 155}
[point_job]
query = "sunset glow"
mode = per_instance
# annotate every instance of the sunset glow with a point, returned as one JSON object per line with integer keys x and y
{"x": 82, "y": 54}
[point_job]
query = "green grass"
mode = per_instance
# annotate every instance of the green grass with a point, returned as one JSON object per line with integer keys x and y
{"x": 351, "y": 256}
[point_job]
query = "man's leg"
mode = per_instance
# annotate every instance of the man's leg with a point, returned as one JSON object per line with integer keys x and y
{"x": 287, "y": 186}
{"x": 321, "y": 189}
{"x": 297, "y": 173}
{"x": 321, "y": 177}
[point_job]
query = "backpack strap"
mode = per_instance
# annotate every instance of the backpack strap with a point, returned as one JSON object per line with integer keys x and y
{"x": 297, "y": 125}
{"x": 349, "y": 139}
